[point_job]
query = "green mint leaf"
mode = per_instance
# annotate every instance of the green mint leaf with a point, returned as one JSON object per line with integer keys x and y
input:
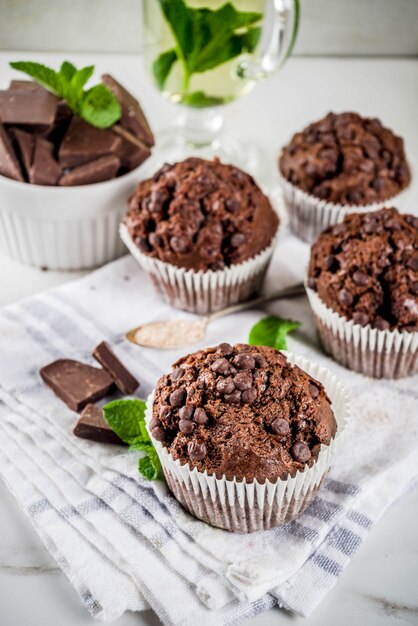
{"x": 149, "y": 466}
{"x": 178, "y": 16}
{"x": 48, "y": 77}
{"x": 67, "y": 71}
{"x": 199, "y": 99}
{"x": 139, "y": 443}
{"x": 100, "y": 107}
{"x": 162, "y": 66}
{"x": 214, "y": 54}
{"x": 80, "y": 78}
{"x": 126, "y": 418}
{"x": 272, "y": 331}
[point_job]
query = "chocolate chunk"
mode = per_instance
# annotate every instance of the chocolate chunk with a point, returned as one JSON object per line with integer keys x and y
{"x": 92, "y": 425}
{"x": 176, "y": 374}
{"x": 83, "y": 142}
{"x": 360, "y": 278}
{"x": 76, "y": 383}
{"x": 124, "y": 380}
{"x": 200, "y": 416}
{"x": 178, "y": 396}
{"x": 225, "y": 385}
{"x": 233, "y": 398}
{"x": 25, "y": 143}
{"x": 345, "y": 297}
{"x": 381, "y": 324}
{"x": 101, "y": 169}
{"x": 249, "y": 395}
{"x": 179, "y": 244}
{"x": 132, "y": 151}
{"x": 300, "y": 452}
{"x": 221, "y": 366}
{"x": 165, "y": 412}
{"x": 225, "y": 349}
{"x": 244, "y": 361}
{"x": 359, "y": 317}
{"x": 9, "y": 165}
{"x": 158, "y": 433}
{"x": 237, "y": 240}
{"x": 260, "y": 360}
{"x": 280, "y": 427}
{"x": 243, "y": 380}
{"x": 35, "y": 109}
{"x": 186, "y": 427}
{"x": 313, "y": 390}
{"x": 196, "y": 451}
{"x": 44, "y": 169}
{"x": 133, "y": 117}
{"x": 186, "y": 412}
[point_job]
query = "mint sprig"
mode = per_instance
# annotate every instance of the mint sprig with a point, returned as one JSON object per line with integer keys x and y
{"x": 98, "y": 105}
{"x": 272, "y": 331}
{"x": 204, "y": 39}
{"x": 127, "y": 419}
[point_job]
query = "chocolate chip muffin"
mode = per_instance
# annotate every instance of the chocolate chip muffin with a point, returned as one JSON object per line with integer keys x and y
{"x": 198, "y": 217}
{"x": 343, "y": 160}
{"x": 366, "y": 270}
{"x": 242, "y": 412}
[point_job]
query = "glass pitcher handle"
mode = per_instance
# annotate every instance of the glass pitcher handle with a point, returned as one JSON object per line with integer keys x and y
{"x": 278, "y": 36}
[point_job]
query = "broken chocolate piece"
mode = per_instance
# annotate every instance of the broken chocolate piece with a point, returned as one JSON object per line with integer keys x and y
{"x": 37, "y": 111}
{"x": 83, "y": 143}
{"x": 103, "y": 168}
{"x": 124, "y": 380}
{"x": 9, "y": 165}
{"x": 44, "y": 169}
{"x": 133, "y": 117}
{"x": 132, "y": 151}
{"x": 24, "y": 143}
{"x": 92, "y": 425}
{"x": 76, "y": 383}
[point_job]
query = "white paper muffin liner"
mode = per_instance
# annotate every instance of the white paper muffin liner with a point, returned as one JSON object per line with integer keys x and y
{"x": 202, "y": 292}
{"x": 373, "y": 352}
{"x": 246, "y": 507}
{"x": 309, "y": 215}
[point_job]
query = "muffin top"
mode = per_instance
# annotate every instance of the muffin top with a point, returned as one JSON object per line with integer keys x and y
{"x": 366, "y": 269}
{"x": 347, "y": 159}
{"x": 242, "y": 411}
{"x": 201, "y": 215}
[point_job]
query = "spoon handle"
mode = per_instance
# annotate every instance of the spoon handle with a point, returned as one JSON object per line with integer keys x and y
{"x": 289, "y": 292}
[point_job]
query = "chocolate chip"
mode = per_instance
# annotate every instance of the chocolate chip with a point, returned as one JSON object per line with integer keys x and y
{"x": 179, "y": 244}
{"x": 413, "y": 263}
{"x": 414, "y": 288}
{"x": 233, "y": 398}
{"x": 178, "y": 396}
{"x": 381, "y": 324}
{"x": 331, "y": 263}
{"x": 165, "y": 412}
{"x": 359, "y": 317}
{"x": 355, "y": 196}
{"x": 186, "y": 412}
{"x": 225, "y": 385}
{"x": 177, "y": 373}
{"x": 345, "y": 297}
{"x": 155, "y": 203}
{"x": 186, "y": 426}
{"x": 196, "y": 451}
{"x": 155, "y": 423}
{"x": 220, "y": 366}
{"x": 225, "y": 349}
{"x": 249, "y": 395}
{"x": 280, "y": 426}
{"x": 243, "y": 381}
{"x": 300, "y": 452}
{"x": 244, "y": 361}
{"x": 232, "y": 204}
{"x": 237, "y": 240}
{"x": 360, "y": 278}
{"x": 313, "y": 390}
{"x": 260, "y": 360}
{"x": 155, "y": 240}
{"x": 200, "y": 416}
{"x": 158, "y": 433}
{"x": 379, "y": 184}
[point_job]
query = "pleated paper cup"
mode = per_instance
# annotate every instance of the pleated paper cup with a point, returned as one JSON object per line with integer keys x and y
{"x": 202, "y": 292}
{"x": 309, "y": 216}
{"x": 242, "y": 506}
{"x": 373, "y": 352}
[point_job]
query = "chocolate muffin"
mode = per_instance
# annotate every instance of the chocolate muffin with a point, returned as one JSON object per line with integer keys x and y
{"x": 198, "y": 217}
{"x": 201, "y": 215}
{"x": 243, "y": 418}
{"x": 242, "y": 412}
{"x": 343, "y": 160}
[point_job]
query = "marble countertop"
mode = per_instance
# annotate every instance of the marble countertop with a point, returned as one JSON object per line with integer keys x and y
{"x": 380, "y": 585}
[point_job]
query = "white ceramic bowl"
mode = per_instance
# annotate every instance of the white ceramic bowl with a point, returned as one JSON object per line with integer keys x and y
{"x": 64, "y": 228}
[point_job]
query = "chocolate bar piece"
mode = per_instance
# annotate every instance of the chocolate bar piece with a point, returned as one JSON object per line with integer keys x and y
{"x": 103, "y": 168}
{"x": 132, "y": 151}
{"x": 83, "y": 143}
{"x": 92, "y": 425}
{"x": 9, "y": 165}
{"x": 44, "y": 169}
{"x": 25, "y": 143}
{"x": 36, "y": 109}
{"x": 76, "y": 383}
{"x": 133, "y": 118}
{"x": 124, "y": 380}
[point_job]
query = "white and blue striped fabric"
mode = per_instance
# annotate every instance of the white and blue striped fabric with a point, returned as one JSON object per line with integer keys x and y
{"x": 126, "y": 544}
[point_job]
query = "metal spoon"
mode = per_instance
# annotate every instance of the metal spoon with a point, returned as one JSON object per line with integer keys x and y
{"x": 169, "y": 334}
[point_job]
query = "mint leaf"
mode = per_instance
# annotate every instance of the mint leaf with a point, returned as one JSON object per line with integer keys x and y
{"x": 162, "y": 66}
{"x": 125, "y": 418}
{"x": 100, "y": 107}
{"x": 42, "y": 74}
{"x": 199, "y": 99}
{"x": 272, "y": 331}
{"x": 179, "y": 18}
{"x": 150, "y": 466}
{"x": 67, "y": 71}
{"x": 80, "y": 78}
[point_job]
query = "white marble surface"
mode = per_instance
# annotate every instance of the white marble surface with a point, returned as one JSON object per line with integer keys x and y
{"x": 380, "y": 587}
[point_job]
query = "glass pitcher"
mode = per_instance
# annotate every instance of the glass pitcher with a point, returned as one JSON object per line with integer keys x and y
{"x": 205, "y": 54}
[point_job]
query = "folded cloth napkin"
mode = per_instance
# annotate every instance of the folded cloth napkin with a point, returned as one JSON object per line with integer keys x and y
{"x": 125, "y": 543}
